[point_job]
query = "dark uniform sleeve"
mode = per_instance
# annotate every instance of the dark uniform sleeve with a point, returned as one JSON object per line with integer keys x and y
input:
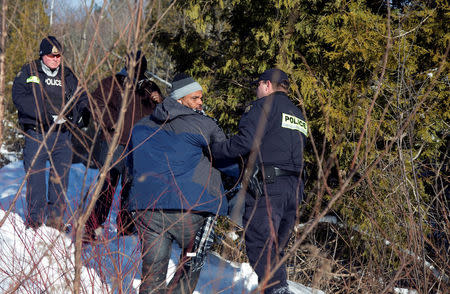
{"x": 225, "y": 165}
{"x": 83, "y": 110}
{"x": 81, "y": 117}
{"x": 240, "y": 144}
{"x": 83, "y": 101}
{"x": 23, "y": 96}
{"x": 217, "y": 135}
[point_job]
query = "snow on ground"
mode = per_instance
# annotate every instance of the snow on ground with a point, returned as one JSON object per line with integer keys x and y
{"x": 45, "y": 257}
{"x": 39, "y": 261}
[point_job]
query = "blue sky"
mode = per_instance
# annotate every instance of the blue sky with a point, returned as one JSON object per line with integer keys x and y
{"x": 77, "y": 3}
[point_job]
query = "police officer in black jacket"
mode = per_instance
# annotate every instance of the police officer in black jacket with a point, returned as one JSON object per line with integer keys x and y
{"x": 41, "y": 93}
{"x": 272, "y": 134}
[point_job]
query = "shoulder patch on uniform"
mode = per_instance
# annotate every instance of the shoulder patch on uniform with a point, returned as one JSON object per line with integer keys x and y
{"x": 33, "y": 79}
{"x": 19, "y": 74}
{"x": 294, "y": 123}
{"x": 247, "y": 109}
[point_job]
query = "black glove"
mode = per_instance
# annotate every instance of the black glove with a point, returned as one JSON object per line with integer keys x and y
{"x": 84, "y": 119}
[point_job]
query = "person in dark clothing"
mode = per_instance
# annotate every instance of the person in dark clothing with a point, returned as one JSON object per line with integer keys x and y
{"x": 272, "y": 134}
{"x": 141, "y": 100}
{"x": 49, "y": 105}
{"x": 175, "y": 190}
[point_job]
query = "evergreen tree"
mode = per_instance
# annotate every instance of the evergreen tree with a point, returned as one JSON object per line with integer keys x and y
{"x": 367, "y": 76}
{"x": 27, "y": 25}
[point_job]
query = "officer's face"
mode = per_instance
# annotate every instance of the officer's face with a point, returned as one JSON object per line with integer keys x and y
{"x": 52, "y": 60}
{"x": 263, "y": 89}
{"x": 193, "y": 100}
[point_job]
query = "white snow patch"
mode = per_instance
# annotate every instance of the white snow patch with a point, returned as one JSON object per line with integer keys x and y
{"x": 38, "y": 261}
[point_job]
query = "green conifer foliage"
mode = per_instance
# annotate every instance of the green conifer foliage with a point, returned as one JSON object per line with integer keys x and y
{"x": 27, "y": 24}
{"x": 372, "y": 79}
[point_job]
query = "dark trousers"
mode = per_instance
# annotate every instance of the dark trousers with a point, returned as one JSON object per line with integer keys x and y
{"x": 117, "y": 172}
{"x": 157, "y": 230}
{"x": 47, "y": 201}
{"x": 270, "y": 220}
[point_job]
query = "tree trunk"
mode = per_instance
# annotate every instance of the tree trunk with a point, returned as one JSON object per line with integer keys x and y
{"x": 2, "y": 68}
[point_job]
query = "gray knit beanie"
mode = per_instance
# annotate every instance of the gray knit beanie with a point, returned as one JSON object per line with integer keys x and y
{"x": 183, "y": 85}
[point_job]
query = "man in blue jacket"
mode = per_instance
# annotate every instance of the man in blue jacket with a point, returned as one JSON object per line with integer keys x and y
{"x": 272, "y": 134}
{"x": 42, "y": 93}
{"x": 175, "y": 189}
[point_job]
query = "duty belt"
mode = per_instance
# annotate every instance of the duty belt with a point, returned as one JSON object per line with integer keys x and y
{"x": 283, "y": 172}
{"x": 271, "y": 172}
{"x": 258, "y": 178}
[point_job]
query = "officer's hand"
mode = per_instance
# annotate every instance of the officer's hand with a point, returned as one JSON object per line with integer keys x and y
{"x": 84, "y": 119}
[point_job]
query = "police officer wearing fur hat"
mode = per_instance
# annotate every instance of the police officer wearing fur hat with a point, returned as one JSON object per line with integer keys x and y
{"x": 49, "y": 104}
{"x": 272, "y": 134}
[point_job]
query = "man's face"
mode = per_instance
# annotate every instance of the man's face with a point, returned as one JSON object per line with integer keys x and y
{"x": 52, "y": 60}
{"x": 193, "y": 100}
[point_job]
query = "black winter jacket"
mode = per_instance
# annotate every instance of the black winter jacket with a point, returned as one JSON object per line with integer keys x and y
{"x": 38, "y": 96}
{"x": 282, "y": 139}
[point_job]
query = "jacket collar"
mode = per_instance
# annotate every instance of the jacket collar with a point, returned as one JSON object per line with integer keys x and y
{"x": 170, "y": 109}
{"x": 48, "y": 71}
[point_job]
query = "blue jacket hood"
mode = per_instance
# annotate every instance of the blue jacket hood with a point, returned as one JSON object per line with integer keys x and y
{"x": 170, "y": 109}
